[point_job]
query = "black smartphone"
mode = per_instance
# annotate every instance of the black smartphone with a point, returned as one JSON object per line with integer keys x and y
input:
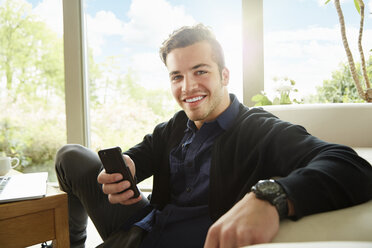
{"x": 113, "y": 162}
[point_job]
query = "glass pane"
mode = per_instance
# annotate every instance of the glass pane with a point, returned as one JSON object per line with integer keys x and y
{"x": 303, "y": 43}
{"x": 129, "y": 85}
{"x": 32, "y": 107}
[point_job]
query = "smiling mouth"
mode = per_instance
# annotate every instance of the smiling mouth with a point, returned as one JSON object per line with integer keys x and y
{"x": 194, "y": 99}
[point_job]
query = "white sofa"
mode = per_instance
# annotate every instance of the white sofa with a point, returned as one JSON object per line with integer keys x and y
{"x": 349, "y": 124}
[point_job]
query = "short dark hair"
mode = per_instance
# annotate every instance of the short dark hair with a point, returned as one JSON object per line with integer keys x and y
{"x": 189, "y": 35}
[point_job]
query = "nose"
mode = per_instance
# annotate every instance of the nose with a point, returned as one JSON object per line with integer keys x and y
{"x": 188, "y": 84}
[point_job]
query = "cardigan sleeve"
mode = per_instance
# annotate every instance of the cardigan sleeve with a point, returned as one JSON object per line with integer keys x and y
{"x": 143, "y": 157}
{"x": 336, "y": 177}
{"x": 318, "y": 176}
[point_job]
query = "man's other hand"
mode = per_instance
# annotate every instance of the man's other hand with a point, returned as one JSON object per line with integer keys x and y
{"x": 112, "y": 187}
{"x": 250, "y": 221}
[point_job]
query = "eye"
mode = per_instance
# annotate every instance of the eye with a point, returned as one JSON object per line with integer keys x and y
{"x": 200, "y": 72}
{"x": 176, "y": 78}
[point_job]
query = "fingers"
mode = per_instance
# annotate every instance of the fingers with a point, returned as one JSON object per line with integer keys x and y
{"x": 104, "y": 178}
{"x": 131, "y": 200}
{"x": 212, "y": 237}
{"x": 221, "y": 237}
{"x": 130, "y": 164}
{"x": 227, "y": 238}
{"x": 113, "y": 188}
{"x": 124, "y": 198}
{"x": 120, "y": 193}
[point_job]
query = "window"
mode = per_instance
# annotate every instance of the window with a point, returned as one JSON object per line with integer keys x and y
{"x": 32, "y": 113}
{"x": 302, "y": 42}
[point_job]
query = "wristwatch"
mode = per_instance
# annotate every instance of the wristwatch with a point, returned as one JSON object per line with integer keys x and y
{"x": 271, "y": 191}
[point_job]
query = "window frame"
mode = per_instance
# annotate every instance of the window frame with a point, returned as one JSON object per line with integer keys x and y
{"x": 253, "y": 49}
{"x": 76, "y": 85}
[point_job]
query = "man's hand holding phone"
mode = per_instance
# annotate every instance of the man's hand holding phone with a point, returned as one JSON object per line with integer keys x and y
{"x": 117, "y": 189}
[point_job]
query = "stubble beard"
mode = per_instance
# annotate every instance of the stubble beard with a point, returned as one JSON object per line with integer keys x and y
{"x": 217, "y": 99}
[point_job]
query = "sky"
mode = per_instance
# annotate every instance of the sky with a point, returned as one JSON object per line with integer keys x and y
{"x": 301, "y": 37}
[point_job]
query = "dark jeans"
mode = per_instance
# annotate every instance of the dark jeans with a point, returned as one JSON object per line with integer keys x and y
{"x": 77, "y": 169}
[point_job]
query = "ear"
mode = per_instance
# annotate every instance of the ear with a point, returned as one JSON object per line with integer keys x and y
{"x": 225, "y": 76}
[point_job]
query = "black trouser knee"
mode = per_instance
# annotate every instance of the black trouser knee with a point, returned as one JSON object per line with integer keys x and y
{"x": 77, "y": 169}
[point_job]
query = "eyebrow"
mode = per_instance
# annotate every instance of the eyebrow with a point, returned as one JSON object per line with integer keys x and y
{"x": 200, "y": 65}
{"x": 192, "y": 68}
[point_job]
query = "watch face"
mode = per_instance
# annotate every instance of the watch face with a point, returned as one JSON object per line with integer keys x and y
{"x": 268, "y": 187}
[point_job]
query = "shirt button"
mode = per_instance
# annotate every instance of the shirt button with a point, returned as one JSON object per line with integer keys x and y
{"x": 188, "y": 189}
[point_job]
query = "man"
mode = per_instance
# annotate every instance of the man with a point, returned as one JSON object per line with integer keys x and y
{"x": 207, "y": 162}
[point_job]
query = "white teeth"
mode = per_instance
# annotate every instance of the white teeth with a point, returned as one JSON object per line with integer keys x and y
{"x": 194, "y": 99}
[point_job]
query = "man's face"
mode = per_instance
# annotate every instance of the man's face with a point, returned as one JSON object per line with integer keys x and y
{"x": 196, "y": 82}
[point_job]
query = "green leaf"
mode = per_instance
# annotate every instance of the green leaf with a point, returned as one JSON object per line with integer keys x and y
{"x": 276, "y": 101}
{"x": 257, "y": 98}
{"x": 327, "y": 1}
{"x": 356, "y": 3}
{"x": 261, "y": 100}
{"x": 285, "y": 99}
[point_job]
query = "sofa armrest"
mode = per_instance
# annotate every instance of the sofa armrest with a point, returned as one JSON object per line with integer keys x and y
{"x": 344, "y": 228}
{"x": 352, "y": 224}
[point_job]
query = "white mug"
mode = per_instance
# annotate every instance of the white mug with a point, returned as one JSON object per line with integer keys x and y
{"x": 6, "y": 163}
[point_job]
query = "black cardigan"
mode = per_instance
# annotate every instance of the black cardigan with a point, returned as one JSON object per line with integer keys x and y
{"x": 317, "y": 176}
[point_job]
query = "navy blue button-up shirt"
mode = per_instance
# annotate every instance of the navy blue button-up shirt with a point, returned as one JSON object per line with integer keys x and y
{"x": 185, "y": 221}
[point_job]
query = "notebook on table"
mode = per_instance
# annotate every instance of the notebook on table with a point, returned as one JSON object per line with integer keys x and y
{"x": 23, "y": 186}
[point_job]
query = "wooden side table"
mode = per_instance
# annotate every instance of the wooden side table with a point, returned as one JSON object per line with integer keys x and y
{"x": 30, "y": 222}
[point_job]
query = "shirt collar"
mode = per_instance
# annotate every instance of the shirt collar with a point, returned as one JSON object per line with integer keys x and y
{"x": 226, "y": 119}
